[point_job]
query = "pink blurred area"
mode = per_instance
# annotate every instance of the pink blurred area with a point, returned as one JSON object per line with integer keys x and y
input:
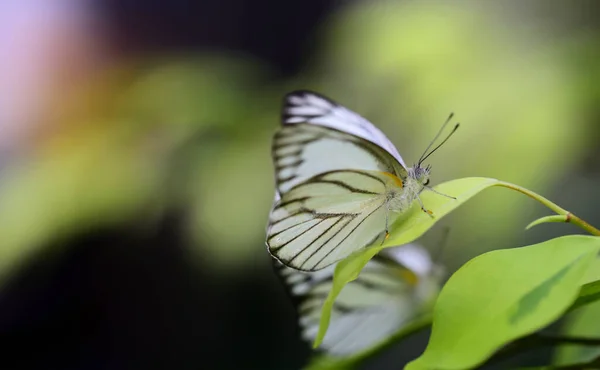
{"x": 48, "y": 50}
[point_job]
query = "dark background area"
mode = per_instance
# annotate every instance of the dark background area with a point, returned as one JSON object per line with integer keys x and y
{"x": 105, "y": 305}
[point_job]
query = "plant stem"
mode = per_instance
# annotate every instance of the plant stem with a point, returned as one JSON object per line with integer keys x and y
{"x": 569, "y": 217}
{"x": 583, "y": 224}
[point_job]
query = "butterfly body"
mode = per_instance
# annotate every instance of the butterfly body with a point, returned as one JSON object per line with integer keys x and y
{"x": 402, "y": 196}
{"x": 339, "y": 184}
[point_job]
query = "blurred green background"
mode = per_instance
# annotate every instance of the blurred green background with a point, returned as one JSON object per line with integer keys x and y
{"x": 135, "y": 169}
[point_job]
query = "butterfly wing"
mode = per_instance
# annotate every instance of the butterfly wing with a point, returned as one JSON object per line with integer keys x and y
{"x": 368, "y": 310}
{"x": 333, "y": 172}
{"x": 328, "y": 217}
{"x": 310, "y": 107}
{"x": 303, "y": 150}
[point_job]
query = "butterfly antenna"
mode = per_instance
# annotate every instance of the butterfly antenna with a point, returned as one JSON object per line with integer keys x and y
{"x": 442, "y": 143}
{"x": 425, "y": 155}
{"x": 436, "y": 136}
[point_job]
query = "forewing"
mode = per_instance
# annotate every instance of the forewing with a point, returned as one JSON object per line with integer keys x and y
{"x": 301, "y": 151}
{"x": 313, "y": 108}
{"x": 368, "y": 310}
{"x": 328, "y": 217}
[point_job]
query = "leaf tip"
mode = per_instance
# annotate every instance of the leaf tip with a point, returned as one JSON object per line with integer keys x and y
{"x": 545, "y": 219}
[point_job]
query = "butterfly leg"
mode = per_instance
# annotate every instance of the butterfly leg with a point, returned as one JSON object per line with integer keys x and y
{"x": 438, "y": 193}
{"x": 424, "y": 209}
{"x": 387, "y": 231}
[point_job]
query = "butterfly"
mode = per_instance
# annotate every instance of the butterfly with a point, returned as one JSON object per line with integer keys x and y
{"x": 339, "y": 180}
{"x": 391, "y": 291}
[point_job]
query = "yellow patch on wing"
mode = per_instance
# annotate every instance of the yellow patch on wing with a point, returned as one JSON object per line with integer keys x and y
{"x": 394, "y": 178}
{"x": 409, "y": 276}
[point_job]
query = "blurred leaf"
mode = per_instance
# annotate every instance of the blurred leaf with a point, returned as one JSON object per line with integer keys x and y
{"x": 589, "y": 293}
{"x": 412, "y": 224}
{"x": 188, "y": 92}
{"x": 583, "y": 321}
{"x": 99, "y": 176}
{"x": 232, "y": 193}
{"x": 111, "y": 152}
{"x": 503, "y": 295}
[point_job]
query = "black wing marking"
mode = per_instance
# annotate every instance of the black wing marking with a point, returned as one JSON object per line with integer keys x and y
{"x": 316, "y": 109}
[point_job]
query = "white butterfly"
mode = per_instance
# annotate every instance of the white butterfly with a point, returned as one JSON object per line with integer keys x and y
{"x": 340, "y": 181}
{"x": 389, "y": 293}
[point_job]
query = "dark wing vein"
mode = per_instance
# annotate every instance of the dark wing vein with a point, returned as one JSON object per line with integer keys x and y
{"x": 297, "y": 236}
{"x": 305, "y": 230}
{"x": 322, "y": 234}
{"x": 350, "y": 233}
{"x": 327, "y": 241}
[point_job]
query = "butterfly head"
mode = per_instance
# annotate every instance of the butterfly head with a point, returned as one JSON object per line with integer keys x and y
{"x": 420, "y": 174}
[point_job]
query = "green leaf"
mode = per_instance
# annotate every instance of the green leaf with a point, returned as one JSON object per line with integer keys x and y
{"x": 547, "y": 219}
{"x": 583, "y": 322}
{"x": 593, "y": 274}
{"x": 589, "y": 293}
{"x": 409, "y": 227}
{"x": 503, "y": 295}
{"x": 414, "y": 223}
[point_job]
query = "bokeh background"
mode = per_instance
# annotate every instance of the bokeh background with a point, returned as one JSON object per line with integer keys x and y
{"x": 135, "y": 170}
